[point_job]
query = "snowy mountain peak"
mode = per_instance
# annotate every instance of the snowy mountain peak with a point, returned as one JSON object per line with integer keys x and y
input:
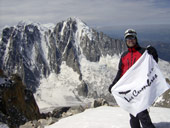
{"x": 83, "y": 29}
{"x": 76, "y": 19}
{"x": 42, "y": 27}
{"x": 79, "y": 26}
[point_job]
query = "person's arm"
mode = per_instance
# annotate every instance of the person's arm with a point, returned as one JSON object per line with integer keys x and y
{"x": 118, "y": 75}
{"x": 152, "y": 51}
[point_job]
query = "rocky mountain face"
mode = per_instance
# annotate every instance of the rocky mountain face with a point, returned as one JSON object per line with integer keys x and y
{"x": 165, "y": 100}
{"x": 17, "y": 104}
{"x": 34, "y": 51}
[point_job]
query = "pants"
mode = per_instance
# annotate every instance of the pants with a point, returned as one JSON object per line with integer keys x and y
{"x": 144, "y": 119}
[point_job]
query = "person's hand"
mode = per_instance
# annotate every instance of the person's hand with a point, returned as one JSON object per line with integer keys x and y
{"x": 151, "y": 50}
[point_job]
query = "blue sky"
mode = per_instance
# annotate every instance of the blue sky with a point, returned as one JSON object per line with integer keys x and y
{"x": 93, "y": 12}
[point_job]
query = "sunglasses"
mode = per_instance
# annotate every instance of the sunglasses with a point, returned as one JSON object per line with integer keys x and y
{"x": 130, "y": 38}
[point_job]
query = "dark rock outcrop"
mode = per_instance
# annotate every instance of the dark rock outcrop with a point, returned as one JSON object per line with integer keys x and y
{"x": 17, "y": 103}
{"x": 165, "y": 100}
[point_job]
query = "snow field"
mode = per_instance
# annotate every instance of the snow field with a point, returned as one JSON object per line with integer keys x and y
{"x": 110, "y": 117}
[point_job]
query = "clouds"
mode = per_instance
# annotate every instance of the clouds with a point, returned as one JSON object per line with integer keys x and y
{"x": 93, "y": 12}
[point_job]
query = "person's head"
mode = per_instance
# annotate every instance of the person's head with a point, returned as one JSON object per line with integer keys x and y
{"x": 130, "y": 37}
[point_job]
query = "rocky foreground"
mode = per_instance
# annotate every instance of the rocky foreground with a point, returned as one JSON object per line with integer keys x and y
{"x": 18, "y": 107}
{"x": 17, "y": 103}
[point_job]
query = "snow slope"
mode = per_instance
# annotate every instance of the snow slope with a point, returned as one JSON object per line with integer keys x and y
{"x": 110, "y": 117}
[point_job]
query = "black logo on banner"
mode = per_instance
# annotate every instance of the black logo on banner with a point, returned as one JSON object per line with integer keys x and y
{"x": 125, "y": 92}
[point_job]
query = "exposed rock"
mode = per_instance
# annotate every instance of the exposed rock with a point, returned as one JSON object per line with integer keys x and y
{"x": 73, "y": 111}
{"x": 165, "y": 100}
{"x": 168, "y": 81}
{"x": 83, "y": 89}
{"x": 32, "y": 124}
{"x": 40, "y": 123}
{"x": 17, "y": 103}
{"x": 99, "y": 102}
{"x": 57, "y": 113}
{"x": 50, "y": 118}
{"x": 48, "y": 121}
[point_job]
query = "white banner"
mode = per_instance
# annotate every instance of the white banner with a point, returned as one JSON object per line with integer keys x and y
{"x": 140, "y": 86}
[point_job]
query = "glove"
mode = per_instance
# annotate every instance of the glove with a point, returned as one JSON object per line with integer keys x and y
{"x": 152, "y": 51}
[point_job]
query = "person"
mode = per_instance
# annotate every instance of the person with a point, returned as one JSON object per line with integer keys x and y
{"x": 128, "y": 58}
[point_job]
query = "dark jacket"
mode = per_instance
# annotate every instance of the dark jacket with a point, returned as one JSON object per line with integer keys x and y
{"x": 129, "y": 57}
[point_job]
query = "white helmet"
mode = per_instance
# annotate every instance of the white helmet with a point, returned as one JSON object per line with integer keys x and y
{"x": 130, "y": 32}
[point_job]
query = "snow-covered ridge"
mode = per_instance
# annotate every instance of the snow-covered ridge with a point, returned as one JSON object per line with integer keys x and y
{"x": 110, "y": 117}
{"x": 82, "y": 28}
{"x": 42, "y": 27}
